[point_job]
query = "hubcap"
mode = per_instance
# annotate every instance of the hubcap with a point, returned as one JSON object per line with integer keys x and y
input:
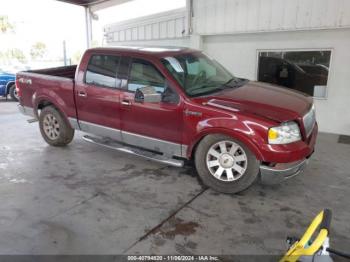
{"x": 227, "y": 161}
{"x": 51, "y": 127}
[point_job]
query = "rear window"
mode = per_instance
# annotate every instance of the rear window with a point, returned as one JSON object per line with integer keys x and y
{"x": 102, "y": 71}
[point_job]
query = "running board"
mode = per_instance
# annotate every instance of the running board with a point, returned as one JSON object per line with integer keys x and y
{"x": 33, "y": 120}
{"x": 134, "y": 151}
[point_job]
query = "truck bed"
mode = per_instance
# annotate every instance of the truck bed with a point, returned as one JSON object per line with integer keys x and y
{"x": 51, "y": 84}
{"x": 63, "y": 71}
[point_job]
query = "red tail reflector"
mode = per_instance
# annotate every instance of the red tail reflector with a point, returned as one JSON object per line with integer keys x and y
{"x": 18, "y": 90}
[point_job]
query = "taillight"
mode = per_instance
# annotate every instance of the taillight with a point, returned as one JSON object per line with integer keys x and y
{"x": 18, "y": 90}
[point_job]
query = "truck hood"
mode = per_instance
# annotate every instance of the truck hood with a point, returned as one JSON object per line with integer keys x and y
{"x": 265, "y": 100}
{"x": 7, "y": 75}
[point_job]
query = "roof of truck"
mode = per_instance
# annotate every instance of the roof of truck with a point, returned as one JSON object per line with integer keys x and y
{"x": 155, "y": 51}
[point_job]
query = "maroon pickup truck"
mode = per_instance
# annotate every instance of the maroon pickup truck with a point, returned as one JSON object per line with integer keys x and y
{"x": 172, "y": 105}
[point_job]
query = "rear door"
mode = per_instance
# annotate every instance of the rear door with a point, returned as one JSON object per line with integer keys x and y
{"x": 98, "y": 97}
{"x": 155, "y": 126}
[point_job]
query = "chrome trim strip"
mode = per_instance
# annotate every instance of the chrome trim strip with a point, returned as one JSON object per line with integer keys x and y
{"x": 25, "y": 110}
{"x": 158, "y": 145}
{"x": 100, "y": 130}
{"x": 74, "y": 123}
{"x": 136, "y": 152}
{"x": 280, "y": 172}
{"x": 212, "y": 103}
{"x": 288, "y": 167}
{"x": 150, "y": 143}
{"x": 184, "y": 151}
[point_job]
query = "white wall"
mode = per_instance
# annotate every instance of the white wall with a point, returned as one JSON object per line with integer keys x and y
{"x": 238, "y": 16}
{"x": 239, "y": 54}
{"x": 184, "y": 41}
{"x": 166, "y": 25}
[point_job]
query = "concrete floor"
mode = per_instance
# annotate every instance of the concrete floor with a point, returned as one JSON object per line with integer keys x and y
{"x": 85, "y": 199}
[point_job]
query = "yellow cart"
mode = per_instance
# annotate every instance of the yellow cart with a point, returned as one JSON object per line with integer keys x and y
{"x": 312, "y": 246}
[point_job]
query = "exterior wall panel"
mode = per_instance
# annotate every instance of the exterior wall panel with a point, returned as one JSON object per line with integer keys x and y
{"x": 243, "y": 16}
{"x": 162, "y": 26}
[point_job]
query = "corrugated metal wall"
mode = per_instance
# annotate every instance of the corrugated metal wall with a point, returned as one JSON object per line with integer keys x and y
{"x": 213, "y": 17}
{"x": 168, "y": 25}
{"x": 240, "y": 16}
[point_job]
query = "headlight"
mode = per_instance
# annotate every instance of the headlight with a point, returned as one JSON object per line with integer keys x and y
{"x": 284, "y": 134}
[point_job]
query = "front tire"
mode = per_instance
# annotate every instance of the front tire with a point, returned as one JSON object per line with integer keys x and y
{"x": 54, "y": 128}
{"x": 13, "y": 92}
{"x": 225, "y": 164}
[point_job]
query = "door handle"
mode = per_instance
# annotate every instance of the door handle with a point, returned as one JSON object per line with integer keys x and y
{"x": 82, "y": 94}
{"x": 126, "y": 103}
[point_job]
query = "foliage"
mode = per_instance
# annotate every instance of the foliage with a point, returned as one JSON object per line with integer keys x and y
{"x": 38, "y": 50}
{"x": 12, "y": 54}
{"x": 5, "y": 25}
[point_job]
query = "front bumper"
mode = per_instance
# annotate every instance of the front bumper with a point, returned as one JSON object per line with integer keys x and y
{"x": 281, "y": 172}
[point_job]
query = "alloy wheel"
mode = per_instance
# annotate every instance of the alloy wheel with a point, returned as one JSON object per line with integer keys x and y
{"x": 51, "y": 126}
{"x": 226, "y": 161}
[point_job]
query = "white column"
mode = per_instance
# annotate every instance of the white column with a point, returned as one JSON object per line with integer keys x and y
{"x": 196, "y": 41}
{"x": 88, "y": 25}
{"x": 189, "y": 18}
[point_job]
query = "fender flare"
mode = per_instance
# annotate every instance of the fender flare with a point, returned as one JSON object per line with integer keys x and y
{"x": 38, "y": 100}
{"x": 224, "y": 131}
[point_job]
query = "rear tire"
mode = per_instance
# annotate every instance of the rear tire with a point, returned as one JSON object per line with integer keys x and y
{"x": 225, "y": 164}
{"x": 13, "y": 92}
{"x": 54, "y": 128}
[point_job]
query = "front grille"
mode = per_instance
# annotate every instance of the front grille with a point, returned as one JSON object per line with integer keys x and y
{"x": 309, "y": 121}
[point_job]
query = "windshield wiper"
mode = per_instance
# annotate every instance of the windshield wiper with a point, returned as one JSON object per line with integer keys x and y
{"x": 232, "y": 83}
{"x": 235, "y": 82}
{"x": 229, "y": 81}
{"x": 215, "y": 90}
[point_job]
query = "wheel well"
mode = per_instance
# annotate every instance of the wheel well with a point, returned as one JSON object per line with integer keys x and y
{"x": 8, "y": 85}
{"x": 194, "y": 148}
{"x": 44, "y": 103}
{"x": 41, "y": 105}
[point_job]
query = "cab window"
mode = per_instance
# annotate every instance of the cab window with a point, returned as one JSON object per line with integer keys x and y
{"x": 102, "y": 71}
{"x": 143, "y": 73}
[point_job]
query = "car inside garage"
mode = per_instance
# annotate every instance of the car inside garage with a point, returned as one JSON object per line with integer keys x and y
{"x": 192, "y": 130}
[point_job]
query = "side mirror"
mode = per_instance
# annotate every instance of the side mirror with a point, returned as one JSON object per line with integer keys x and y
{"x": 147, "y": 94}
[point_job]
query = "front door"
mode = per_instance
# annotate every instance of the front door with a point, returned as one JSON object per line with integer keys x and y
{"x": 155, "y": 126}
{"x": 98, "y": 97}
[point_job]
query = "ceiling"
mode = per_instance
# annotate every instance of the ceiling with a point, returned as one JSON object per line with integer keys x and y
{"x": 82, "y": 2}
{"x": 95, "y": 5}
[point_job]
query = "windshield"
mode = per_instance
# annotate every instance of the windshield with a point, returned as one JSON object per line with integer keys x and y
{"x": 198, "y": 74}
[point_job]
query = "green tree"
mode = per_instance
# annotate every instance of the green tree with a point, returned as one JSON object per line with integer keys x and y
{"x": 16, "y": 53}
{"x": 5, "y": 25}
{"x": 38, "y": 50}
